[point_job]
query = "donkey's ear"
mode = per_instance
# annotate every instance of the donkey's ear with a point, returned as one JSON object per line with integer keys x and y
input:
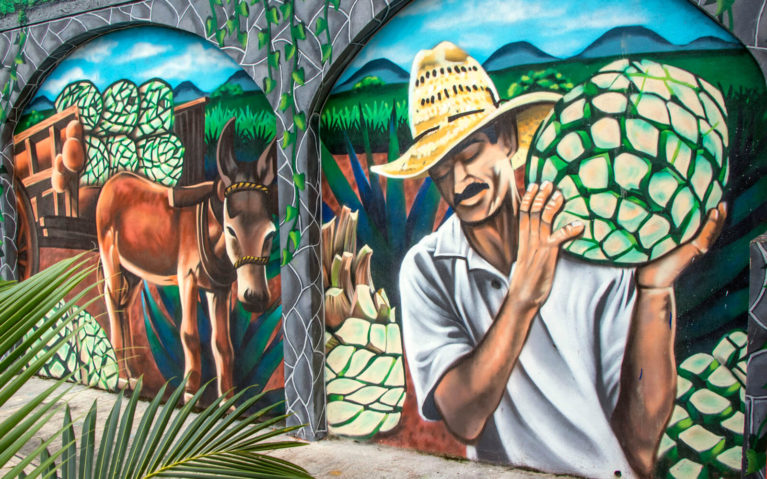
{"x": 266, "y": 166}
{"x": 225, "y": 160}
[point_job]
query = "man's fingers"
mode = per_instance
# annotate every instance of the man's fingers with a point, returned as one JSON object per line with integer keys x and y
{"x": 711, "y": 228}
{"x": 551, "y": 209}
{"x": 567, "y": 232}
{"x": 540, "y": 199}
{"x": 524, "y": 215}
{"x": 527, "y": 199}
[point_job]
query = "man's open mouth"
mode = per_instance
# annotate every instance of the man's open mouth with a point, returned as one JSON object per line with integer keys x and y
{"x": 471, "y": 190}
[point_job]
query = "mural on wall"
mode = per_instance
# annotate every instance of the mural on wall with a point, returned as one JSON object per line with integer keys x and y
{"x": 550, "y": 208}
{"x": 168, "y": 177}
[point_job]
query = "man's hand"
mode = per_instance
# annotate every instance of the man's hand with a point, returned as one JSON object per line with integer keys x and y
{"x": 538, "y": 246}
{"x": 662, "y": 272}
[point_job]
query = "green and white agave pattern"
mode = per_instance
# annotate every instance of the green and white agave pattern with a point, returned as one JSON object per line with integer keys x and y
{"x": 88, "y": 356}
{"x": 128, "y": 128}
{"x": 121, "y": 109}
{"x": 97, "y": 168}
{"x": 365, "y": 376}
{"x": 161, "y": 158}
{"x": 640, "y": 153}
{"x": 704, "y": 436}
{"x": 155, "y": 109}
{"x": 86, "y": 96}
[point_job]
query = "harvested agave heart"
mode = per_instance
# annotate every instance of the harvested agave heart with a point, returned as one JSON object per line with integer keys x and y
{"x": 639, "y": 152}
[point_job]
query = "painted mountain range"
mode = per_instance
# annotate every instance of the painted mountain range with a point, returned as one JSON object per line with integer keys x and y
{"x": 617, "y": 41}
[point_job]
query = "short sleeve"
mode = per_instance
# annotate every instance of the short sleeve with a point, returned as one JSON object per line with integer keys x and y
{"x": 614, "y": 328}
{"x": 433, "y": 334}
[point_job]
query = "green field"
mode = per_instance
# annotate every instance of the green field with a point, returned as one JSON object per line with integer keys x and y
{"x": 727, "y": 69}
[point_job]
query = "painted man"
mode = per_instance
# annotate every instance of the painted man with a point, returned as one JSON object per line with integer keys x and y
{"x": 531, "y": 357}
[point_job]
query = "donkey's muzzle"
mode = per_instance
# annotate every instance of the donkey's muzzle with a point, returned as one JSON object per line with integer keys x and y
{"x": 259, "y": 260}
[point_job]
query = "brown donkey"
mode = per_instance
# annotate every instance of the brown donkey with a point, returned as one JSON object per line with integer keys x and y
{"x": 204, "y": 236}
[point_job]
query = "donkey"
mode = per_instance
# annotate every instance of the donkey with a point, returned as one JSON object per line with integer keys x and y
{"x": 204, "y": 236}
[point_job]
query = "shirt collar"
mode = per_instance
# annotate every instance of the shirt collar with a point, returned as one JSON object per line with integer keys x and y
{"x": 452, "y": 243}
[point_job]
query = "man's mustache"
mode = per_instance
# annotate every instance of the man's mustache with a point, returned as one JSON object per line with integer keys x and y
{"x": 471, "y": 190}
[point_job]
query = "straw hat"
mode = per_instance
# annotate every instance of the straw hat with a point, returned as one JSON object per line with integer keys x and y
{"x": 451, "y": 96}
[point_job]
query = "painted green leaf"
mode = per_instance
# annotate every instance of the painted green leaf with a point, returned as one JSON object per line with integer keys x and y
{"x": 723, "y": 5}
{"x": 300, "y": 119}
{"x": 300, "y": 180}
{"x": 230, "y": 26}
{"x": 290, "y": 212}
{"x": 220, "y": 35}
{"x": 19, "y": 59}
{"x": 243, "y": 39}
{"x": 299, "y": 32}
{"x": 274, "y": 59}
{"x": 284, "y": 101}
{"x": 287, "y": 139}
{"x": 273, "y": 15}
{"x": 287, "y": 256}
{"x": 263, "y": 37}
{"x": 209, "y": 26}
{"x": 298, "y": 76}
{"x": 287, "y": 10}
{"x": 268, "y": 84}
{"x": 243, "y": 9}
{"x": 290, "y": 50}
{"x": 321, "y": 25}
{"x": 327, "y": 52}
{"x": 295, "y": 238}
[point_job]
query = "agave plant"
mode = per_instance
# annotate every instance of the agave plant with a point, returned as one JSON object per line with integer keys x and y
{"x": 384, "y": 223}
{"x": 220, "y": 441}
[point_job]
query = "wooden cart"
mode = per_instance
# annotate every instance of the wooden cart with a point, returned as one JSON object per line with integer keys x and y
{"x": 47, "y": 218}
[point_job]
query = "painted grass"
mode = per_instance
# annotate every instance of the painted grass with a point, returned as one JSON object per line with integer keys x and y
{"x": 250, "y": 125}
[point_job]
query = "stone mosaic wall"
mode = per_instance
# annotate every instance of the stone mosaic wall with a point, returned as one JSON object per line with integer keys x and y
{"x": 294, "y": 50}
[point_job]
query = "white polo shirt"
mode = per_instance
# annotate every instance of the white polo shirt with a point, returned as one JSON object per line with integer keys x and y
{"x": 555, "y": 413}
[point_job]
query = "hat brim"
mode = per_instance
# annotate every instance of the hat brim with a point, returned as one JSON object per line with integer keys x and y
{"x": 403, "y": 167}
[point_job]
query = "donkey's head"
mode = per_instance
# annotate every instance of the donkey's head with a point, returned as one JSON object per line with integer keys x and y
{"x": 248, "y": 191}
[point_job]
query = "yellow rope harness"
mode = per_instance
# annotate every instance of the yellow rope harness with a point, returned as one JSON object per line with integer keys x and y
{"x": 244, "y": 186}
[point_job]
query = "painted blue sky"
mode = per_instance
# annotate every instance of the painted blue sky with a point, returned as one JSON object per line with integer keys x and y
{"x": 139, "y": 54}
{"x": 558, "y": 27}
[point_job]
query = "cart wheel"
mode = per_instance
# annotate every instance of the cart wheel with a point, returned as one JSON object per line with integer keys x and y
{"x": 27, "y": 249}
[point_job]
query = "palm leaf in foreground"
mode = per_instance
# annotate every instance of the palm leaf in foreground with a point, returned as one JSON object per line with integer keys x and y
{"x": 23, "y": 307}
{"x": 220, "y": 441}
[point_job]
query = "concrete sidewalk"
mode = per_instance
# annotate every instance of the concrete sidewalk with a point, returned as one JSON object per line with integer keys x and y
{"x": 329, "y": 458}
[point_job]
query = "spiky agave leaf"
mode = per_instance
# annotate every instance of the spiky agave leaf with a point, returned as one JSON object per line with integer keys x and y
{"x": 24, "y": 306}
{"x": 169, "y": 443}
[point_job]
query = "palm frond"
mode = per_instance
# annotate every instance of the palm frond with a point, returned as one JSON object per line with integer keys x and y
{"x": 218, "y": 442}
{"x": 23, "y": 307}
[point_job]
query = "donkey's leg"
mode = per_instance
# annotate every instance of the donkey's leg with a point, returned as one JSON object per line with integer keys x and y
{"x": 113, "y": 284}
{"x": 190, "y": 336}
{"x": 223, "y": 352}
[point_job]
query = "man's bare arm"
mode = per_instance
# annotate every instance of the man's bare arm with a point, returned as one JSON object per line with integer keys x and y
{"x": 468, "y": 394}
{"x": 648, "y": 374}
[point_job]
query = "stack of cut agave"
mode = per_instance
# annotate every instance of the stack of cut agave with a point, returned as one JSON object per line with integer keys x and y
{"x": 364, "y": 369}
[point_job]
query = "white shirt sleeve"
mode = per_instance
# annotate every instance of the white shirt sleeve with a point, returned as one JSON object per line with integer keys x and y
{"x": 614, "y": 328}
{"x": 434, "y": 336}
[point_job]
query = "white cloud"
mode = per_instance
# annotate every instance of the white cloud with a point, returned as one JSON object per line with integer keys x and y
{"x": 54, "y": 85}
{"x": 142, "y": 50}
{"x": 489, "y": 12}
{"x": 192, "y": 62}
{"x": 94, "y": 51}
